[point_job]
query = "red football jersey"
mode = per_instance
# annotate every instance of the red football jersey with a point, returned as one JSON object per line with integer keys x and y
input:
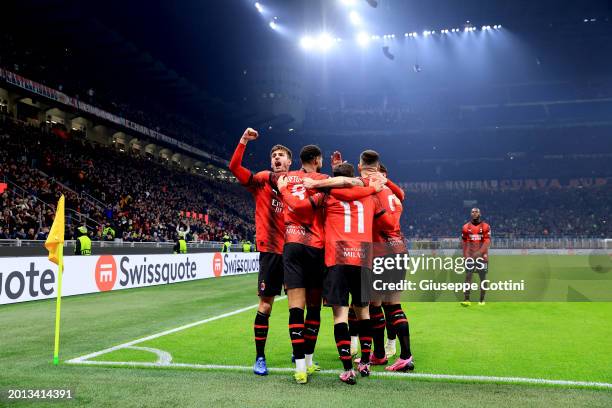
{"x": 306, "y": 229}
{"x": 389, "y": 241}
{"x": 348, "y": 230}
{"x": 269, "y": 220}
{"x": 474, "y": 236}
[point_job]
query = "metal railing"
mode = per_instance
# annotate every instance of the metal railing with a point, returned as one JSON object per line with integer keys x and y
{"x": 500, "y": 243}
{"x": 87, "y": 197}
{"x": 21, "y": 243}
{"x": 93, "y": 200}
{"x": 73, "y": 216}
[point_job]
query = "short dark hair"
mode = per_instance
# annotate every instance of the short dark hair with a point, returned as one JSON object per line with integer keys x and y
{"x": 309, "y": 153}
{"x": 382, "y": 168}
{"x": 344, "y": 169}
{"x": 369, "y": 158}
{"x": 281, "y": 147}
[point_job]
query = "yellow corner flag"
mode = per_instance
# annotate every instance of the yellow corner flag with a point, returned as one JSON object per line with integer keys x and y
{"x": 55, "y": 246}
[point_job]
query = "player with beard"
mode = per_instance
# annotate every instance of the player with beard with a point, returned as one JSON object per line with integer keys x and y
{"x": 303, "y": 258}
{"x": 336, "y": 182}
{"x": 304, "y": 264}
{"x": 270, "y": 232}
{"x": 476, "y": 238}
{"x": 348, "y": 240}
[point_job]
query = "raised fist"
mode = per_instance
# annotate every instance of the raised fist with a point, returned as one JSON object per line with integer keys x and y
{"x": 250, "y": 134}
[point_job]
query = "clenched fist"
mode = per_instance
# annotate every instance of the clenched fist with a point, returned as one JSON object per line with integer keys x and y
{"x": 248, "y": 135}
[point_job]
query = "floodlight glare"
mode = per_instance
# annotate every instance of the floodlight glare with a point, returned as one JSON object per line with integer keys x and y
{"x": 355, "y": 18}
{"x": 307, "y": 42}
{"x": 363, "y": 39}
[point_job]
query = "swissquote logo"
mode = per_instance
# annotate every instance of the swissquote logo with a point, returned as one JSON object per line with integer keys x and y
{"x": 217, "y": 264}
{"x": 106, "y": 273}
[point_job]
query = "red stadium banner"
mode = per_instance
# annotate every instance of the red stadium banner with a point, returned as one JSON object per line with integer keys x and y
{"x": 3, "y": 187}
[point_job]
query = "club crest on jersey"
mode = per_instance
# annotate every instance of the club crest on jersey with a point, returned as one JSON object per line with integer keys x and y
{"x": 262, "y": 286}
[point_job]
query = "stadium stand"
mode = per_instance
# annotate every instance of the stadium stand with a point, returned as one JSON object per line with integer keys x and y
{"x": 144, "y": 199}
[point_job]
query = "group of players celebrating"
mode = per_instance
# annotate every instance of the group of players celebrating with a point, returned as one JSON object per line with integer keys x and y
{"x": 317, "y": 236}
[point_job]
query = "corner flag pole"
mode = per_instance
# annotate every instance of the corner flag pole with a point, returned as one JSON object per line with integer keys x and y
{"x": 58, "y": 305}
{"x": 55, "y": 246}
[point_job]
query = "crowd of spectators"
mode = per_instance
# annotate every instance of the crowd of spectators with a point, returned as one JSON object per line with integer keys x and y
{"x": 143, "y": 199}
{"x": 554, "y": 212}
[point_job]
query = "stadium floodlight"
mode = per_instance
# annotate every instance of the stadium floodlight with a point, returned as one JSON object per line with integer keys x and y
{"x": 407, "y": 35}
{"x": 273, "y": 25}
{"x": 259, "y": 7}
{"x": 415, "y": 34}
{"x": 363, "y": 39}
{"x": 355, "y": 18}
{"x": 307, "y": 42}
{"x": 426, "y": 33}
{"x": 325, "y": 41}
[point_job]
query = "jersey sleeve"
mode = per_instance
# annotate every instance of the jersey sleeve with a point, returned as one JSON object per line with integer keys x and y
{"x": 383, "y": 219}
{"x": 397, "y": 190}
{"x": 303, "y": 207}
{"x": 262, "y": 177}
{"x": 486, "y": 234}
{"x": 242, "y": 173}
{"x": 353, "y": 193}
{"x": 464, "y": 240}
{"x": 464, "y": 234}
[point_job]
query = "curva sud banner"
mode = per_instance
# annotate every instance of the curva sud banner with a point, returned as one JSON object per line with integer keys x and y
{"x": 34, "y": 278}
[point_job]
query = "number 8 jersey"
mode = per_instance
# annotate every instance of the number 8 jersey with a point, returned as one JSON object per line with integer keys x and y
{"x": 300, "y": 228}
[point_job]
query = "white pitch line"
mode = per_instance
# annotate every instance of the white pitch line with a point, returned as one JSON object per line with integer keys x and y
{"x": 470, "y": 378}
{"x": 163, "y": 357}
{"x": 164, "y": 333}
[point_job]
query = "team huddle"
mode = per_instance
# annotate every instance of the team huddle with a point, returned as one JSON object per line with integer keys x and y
{"x": 317, "y": 236}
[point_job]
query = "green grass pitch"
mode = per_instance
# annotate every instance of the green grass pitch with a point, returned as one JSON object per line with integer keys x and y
{"x": 556, "y": 341}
